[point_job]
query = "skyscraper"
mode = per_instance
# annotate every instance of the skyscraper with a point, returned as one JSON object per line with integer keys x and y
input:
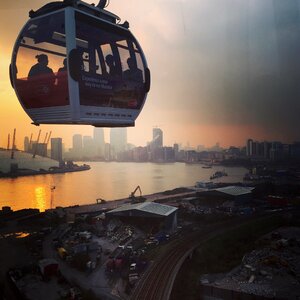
{"x": 118, "y": 140}
{"x": 157, "y": 140}
{"x": 99, "y": 141}
{"x": 56, "y": 149}
{"x": 77, "y": 145}
{"x": 88, "y": 146}
{"x": 249, "y": 147}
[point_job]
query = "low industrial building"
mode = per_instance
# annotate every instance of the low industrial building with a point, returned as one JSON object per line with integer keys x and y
{"x": 237, "y": 195}
{"x": 149, "y": 215}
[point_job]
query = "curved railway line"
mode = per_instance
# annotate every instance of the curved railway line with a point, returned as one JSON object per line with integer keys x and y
{"x": 157, "y": 282}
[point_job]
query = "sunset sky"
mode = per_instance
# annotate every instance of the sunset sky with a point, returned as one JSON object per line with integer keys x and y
{"x": 222, "y": 70}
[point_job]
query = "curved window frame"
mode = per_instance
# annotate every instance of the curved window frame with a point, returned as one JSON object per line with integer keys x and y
{"x": 96, "y": 86}
{"x": 49, "y": 85}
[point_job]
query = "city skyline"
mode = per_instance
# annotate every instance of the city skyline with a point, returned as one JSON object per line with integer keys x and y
{"x": 96, "y": 145}
{"x": 97, "y": 140}
{"x": 70, "y": 140}
{"x": 234, "y": 71}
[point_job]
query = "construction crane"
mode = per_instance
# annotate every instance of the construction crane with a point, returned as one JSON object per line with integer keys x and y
{"x": 135, "y": 199}
{"x": 13, "y": 146}
{"x": 36, "y": 145}
{"x": 45, "y": 139}
{"x": 8, "y": 141}
{"x": 47, "y": 142}
{"x": 30, "y": 144}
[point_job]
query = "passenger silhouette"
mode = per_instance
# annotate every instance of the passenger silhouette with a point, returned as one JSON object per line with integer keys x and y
{"x": 62, "y": 72}
{"x": 41, "y": 68}
{"x": 133, "y": 73}
{"x": 61, "y": 90}
{"x": 113, "y": 69}
{"x": 41, "y": 83}
{"x": 64, "y": 68}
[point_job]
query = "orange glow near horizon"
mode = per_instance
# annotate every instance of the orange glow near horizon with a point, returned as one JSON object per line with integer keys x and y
{"x": 226, "y": 135}
{"x": 189, "y": 65}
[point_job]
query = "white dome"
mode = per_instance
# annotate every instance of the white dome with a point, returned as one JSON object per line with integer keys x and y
{"x": 24, "y": 161}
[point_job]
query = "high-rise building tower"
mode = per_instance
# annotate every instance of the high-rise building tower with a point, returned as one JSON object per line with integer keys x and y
{"x": 99, "y": 141}
{"x": 88, "y": 146}
{"x": 157, "y": 140}
{"x": 118, "y": 140}
{"x": 56, "y": 149}
{"x": 77, "y": 145}
{"x": 249, "y": 147}
{"x": 266, "y": 149}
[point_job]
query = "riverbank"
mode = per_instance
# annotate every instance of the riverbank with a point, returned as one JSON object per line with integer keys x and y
{"x": 53, "y": 170}
{"x": 82, "y": 225}
{"x": 106, "y": 180}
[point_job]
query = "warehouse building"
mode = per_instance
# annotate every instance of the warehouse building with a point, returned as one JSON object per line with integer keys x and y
{"x": 238, "y": 195}
{"x": 147, "y": 215}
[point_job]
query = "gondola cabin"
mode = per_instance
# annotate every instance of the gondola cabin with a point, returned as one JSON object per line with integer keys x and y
{"x": 73, "y": 63}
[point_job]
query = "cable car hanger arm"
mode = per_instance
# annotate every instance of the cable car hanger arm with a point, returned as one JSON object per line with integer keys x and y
{"x": 91, "y": 8}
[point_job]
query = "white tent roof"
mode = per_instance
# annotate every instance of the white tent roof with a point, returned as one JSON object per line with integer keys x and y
{"x": 235, "y": 190}
{"x": 149, "y": 207}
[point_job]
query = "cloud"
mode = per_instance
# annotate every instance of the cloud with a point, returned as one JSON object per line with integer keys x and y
{"x": 213, "y": 62}
{"x": 246, "y": 69}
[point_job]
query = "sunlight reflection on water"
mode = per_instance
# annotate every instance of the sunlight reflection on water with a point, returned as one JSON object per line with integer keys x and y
{"x": 106, "y": 180}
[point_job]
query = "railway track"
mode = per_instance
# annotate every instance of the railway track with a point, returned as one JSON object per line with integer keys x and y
{"x": 157, "y": 282}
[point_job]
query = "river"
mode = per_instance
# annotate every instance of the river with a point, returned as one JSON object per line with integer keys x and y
{"x": 106, "y": 180}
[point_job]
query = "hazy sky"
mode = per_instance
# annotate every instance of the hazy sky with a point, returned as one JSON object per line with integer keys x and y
{"x": 222, "y": 70}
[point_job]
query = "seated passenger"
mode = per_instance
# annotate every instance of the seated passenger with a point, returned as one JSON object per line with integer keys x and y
{"x": 64, "y": 68}
{"x": 61, "y": 96}
{"x": 41, "y": 83}
{"x": 41, "y": 69}
{"x": 133, "y": 73}
{"x": 113, "y": 69}
{"x": 62, "y": 73}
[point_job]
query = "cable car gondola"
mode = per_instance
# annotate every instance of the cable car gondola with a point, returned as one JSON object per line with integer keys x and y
{"x": 74, "y": 63}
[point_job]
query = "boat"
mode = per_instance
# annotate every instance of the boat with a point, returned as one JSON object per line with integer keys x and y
{"x": 207, "y": 167}
{"x": 218, "y": 174}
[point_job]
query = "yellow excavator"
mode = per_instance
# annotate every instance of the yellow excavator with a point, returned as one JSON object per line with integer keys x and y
{"x": 135, "y": 199}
